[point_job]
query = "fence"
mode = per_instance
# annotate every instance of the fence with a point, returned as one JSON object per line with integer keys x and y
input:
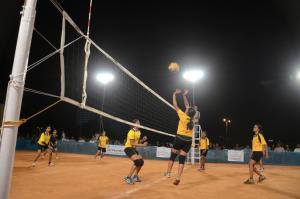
{"x": 153, "y": 152}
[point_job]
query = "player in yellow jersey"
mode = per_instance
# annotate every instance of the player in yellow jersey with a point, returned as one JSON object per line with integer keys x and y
{"x": 203, "y": 145}
{"x": 43, "y": 143}
{"x": 103, "y": 141}
{"x": 133, "y": 140}
{"x": 259, "y": 148}
{"x": 183, "y": 140}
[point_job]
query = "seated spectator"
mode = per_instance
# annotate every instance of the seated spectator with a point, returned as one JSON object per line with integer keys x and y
{"x": 247, "y": 147}
{"x": 81, "y": 140}
{"x": 237, "y": 147}
{"x": 297, "y": 149}
{"x": 117, "y": 142}
{"x": 287, "y": 148}
{"x": 279, "y": 148}
{"x": 210, "y": 145}
{"x": 272, "y": 147}
{"x": 217, "y": 147}
{"x": 92, "y": 140}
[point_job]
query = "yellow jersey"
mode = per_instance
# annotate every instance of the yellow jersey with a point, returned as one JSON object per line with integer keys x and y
{"x": 204, "y": 143}
{"x": 44, "y": 139}
{"x": 182, "y": 129}
{"x": 258, "y": 145}
{"x": 103, "y": 140}
{"x": 133, "y": 135}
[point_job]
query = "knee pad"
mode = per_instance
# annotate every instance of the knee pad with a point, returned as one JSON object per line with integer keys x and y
{"x": 182, "y": 159}
{"x": 139, "y": 162}
{"x": 173, "y": 156}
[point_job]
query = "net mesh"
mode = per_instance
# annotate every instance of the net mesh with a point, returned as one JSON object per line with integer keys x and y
{"x": 124, "y": 98}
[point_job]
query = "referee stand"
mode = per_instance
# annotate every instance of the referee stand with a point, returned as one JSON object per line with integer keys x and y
{"x": 194, "y": 153}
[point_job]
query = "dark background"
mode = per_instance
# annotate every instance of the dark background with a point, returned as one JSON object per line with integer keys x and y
{"x": 249, "y": 51}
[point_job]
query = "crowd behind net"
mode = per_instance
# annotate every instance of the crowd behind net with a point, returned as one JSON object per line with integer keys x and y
{"x": 67, "y": 72}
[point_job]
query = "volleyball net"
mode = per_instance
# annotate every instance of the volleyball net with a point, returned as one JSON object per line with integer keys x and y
{"x": 68, "y": 73}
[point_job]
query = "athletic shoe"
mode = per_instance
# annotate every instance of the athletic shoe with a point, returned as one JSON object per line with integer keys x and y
{"x": 136, "y": 179}
{"x": 261, "y": 178}
{"x": 33, "y": 164}
{"x": 249, "y": 181}
{"x": 51, "y": 164}
{"x": 167, "y": 174}
{"x": 128, "y": 180}
{"x": 177, "y": 181}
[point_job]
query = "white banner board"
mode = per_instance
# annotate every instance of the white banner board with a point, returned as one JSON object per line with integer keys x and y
{"x": 115, "y": 150}
{"x": 235, "y": 155}
{"x": 163, "y": 152}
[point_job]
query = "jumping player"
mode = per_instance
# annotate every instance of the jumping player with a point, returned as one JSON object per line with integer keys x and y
{"x": 183, "y": 140}
{"x": 103, "y": 141}
{"x": 43, "y": 146}
{"x": 259, "y": 148}
{"x": 133, "y": 141}
{"x": 204, "y": 144}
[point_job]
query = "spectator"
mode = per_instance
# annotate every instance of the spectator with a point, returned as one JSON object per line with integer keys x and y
{"x": 273, "y": 147}
{"x": 210, "y": 145}
{"x": 247, "y": 147}
{"x": 81, "y": 140}
{"x": 279, "y": 148}
{"x": 297, "y": 149}
{"x": 63, "y": 136}
{"x": 117, "y": 142}
{"x": 217, "y": 147}
{"x": 237, "y": 147}
{"x": 93, "y": 140}
{"x": 287, "y": 148}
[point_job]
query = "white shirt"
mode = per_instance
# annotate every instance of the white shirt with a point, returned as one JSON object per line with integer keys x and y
{"x": 297, "y": 150}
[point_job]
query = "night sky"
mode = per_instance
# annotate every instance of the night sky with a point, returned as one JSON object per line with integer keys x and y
{"x": 248, "y": 50}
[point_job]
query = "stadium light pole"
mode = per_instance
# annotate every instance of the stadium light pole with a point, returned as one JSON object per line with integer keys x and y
{"x": 193, "y": 76}
{"x": 104, "y": 78}
{"x": 14, "y": 96}
{"x": 227, "y": 122}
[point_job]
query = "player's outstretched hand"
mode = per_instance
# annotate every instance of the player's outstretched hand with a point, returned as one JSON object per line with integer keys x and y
{"x": 177, "y": 91}
{"x": 185, "y": 92}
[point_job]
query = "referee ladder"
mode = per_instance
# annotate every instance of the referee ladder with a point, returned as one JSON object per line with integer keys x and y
{"x": 194, "y": 154}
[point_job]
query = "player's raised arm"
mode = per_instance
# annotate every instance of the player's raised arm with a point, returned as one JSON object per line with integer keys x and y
{"x": 185, "y": 100}
{"x": 177, "y": 91}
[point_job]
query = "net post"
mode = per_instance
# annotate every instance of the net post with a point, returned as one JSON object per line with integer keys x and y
{"x": 62, "y": 59}
{"x": 14, "y": 96}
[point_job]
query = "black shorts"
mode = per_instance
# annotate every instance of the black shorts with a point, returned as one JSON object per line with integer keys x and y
{"x": 102, "y": 149}
{"x": 42, "y": 147}
{"x": 203, "y": 152}
{"x": 257, "y": 156}
{"x": 130, "y": 151}
{"x": 182, "y": 143}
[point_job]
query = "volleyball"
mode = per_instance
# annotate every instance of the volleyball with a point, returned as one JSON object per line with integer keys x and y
{"x": 173, "y": 67}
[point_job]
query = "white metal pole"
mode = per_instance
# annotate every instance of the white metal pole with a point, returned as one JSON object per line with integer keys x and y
{"x": 14, "y": 97}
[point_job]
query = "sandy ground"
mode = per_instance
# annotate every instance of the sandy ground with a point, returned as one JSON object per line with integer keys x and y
{"x": 80, "y": 176}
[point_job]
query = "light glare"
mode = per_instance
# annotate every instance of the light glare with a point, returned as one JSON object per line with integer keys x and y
{"x": 193, "y": 75}
{"x": 298, "y": 75}
{"x": 105, "y": 78}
